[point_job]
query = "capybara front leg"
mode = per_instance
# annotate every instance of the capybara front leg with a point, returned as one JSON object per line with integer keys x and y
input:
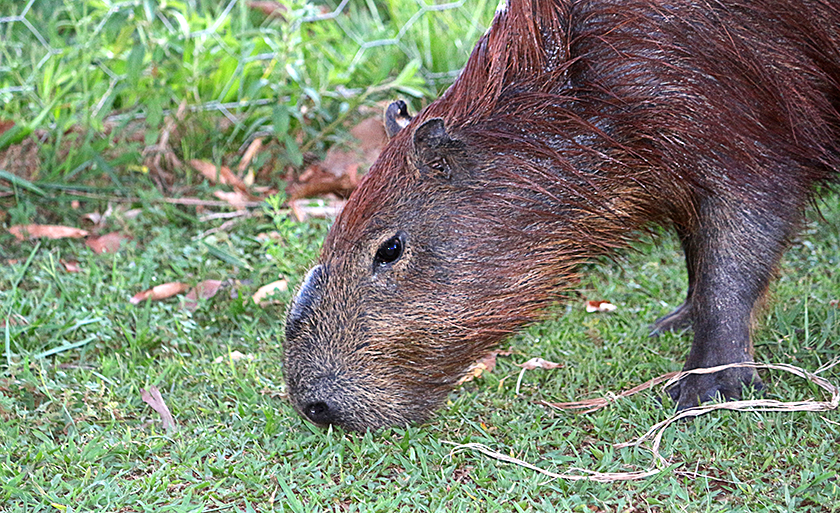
{"x": 734, "y": 253}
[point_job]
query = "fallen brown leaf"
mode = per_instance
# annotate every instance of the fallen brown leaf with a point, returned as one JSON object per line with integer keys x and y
{"x": 153, "y": 398}
{"x": 221, "y": 174}
{"x": 236, "y": 199}
{"x": 539, "y": 363}
{"x": 483, "y": 365}
{"x": 600, "y": 306}
{"x": 46, "y": 231}
{"x": 338, "y": 172}
{"x": 268, "y": 8}
{"x": 204, "y": 290}
{"x": 316, "y": 182}
{"x": 268, "y": 290}
{"x": 267, "y": 236}
{"x": 6, "y": 124}
{"x": 14, "y": 320}
{"x": 534, "y": 363}
{"x": 71, "y": 266}
{"x": 303, "y": 209}
{"x": 108, "y": 243}
{"x": 234, "y": 356}
{"x": 163, "y": 291}
{"x": 97, "y": 219}
{"x": 249, "y": 154}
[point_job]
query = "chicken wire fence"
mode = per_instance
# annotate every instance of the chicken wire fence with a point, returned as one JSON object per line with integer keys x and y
{"x": 64, "y": 62}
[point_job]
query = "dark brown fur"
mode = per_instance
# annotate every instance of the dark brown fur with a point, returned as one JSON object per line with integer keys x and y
{"x": 574, "y": 125}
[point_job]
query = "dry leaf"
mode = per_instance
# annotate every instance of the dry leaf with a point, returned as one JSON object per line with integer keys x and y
{"x": 153, "y": 398}
{"x": 249, "y": 154}
{"x": 221, "y": 174}
{"x": 539, "y": 363}
{"x": 316, "y": 182}
{"x": 14, "y": 320}
{"x": 133, "y": 213}
{"x": 249, "y": 178}
{"x": 236, "y": 199}
{"x": 234, "y": 356}
{"x": 600, "y": 306}
{"x": 268, "y": 8}
{"x": 204, "y": 290}
{"x": 97, "y": 219}
{"x": 485, "y": 364}
{"x": 71, "y": 266}
{"x": 338, "y": 172}
{"x": 162, "y": 291}
{"x": 108, "y": 243}
{"x": 267, "y": 290}
{"x": 372, "y": 138}
{"x": 6, "y": 124}
{"x": 304, "y": 209}
{"x": 47, "y": 231}
{"x": 267, "y": 236}
{"x": 534, "y": 363}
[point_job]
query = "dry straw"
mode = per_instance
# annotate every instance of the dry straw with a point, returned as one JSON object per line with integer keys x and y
{"x": 656, "y": 432}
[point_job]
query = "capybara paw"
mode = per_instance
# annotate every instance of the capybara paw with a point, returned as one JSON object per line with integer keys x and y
{"x": 676, "y": 321}
{"x": 728, "y": 385}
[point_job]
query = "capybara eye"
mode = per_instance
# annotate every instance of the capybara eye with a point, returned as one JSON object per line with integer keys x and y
{"x": 390, "y": 251}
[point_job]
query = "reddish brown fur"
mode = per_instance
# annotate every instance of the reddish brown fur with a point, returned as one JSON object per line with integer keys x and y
{"x": 573, "y": 125}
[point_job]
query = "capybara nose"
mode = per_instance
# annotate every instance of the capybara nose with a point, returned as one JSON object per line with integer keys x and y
{"x": 321, "y": 413}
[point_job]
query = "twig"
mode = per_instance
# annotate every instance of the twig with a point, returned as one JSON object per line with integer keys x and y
{"x": 172, "y": 201}
{"x": 221, "y": 228}
{"x": 227, "y": 215}
{"x": 584, "y": 474}
{"x": 601, "y": 402}
{"x": 656, "y": 432}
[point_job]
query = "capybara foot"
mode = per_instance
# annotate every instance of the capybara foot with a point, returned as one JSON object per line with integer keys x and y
{"x": 695, "y": 389}
{"x": 676, "y": 321}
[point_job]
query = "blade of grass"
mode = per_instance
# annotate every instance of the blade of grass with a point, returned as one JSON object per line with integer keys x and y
{"x": 7, "y": 335}
{"x": 21, "y": 182}
{"x": 225, "y": 257}
{"x": 64, "y": 347}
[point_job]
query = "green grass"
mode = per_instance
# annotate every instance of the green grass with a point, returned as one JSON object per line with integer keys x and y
{"x": 76, "y": 436}
{"x": 74, "y": 432}
{"x": 92, "y": 73}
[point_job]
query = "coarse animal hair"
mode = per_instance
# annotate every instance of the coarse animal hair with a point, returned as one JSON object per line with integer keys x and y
{"x": 574, "y": 125}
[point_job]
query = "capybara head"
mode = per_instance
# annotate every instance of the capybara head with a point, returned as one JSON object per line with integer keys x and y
{"x": 415, "y": 282}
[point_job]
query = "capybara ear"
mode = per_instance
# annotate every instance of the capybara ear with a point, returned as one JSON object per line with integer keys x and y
{"x": 434, "y": 148}
{"x": 396, "y": 118}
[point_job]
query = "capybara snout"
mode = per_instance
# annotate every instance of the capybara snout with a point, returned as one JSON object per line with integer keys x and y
{"x": 574, "y": 126}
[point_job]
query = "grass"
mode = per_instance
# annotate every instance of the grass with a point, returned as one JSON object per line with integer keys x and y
{"x": 74, "y": 432}
{"x": 76, "y": 436}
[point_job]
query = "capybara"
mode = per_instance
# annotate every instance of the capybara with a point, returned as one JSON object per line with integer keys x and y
{"x": 574, "y": 126}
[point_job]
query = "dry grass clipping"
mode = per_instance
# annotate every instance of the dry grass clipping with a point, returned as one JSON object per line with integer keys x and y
{"x": 656, "y": 432}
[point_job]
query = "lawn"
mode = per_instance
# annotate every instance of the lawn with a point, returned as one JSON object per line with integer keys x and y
{"x": 84, "y": 117}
